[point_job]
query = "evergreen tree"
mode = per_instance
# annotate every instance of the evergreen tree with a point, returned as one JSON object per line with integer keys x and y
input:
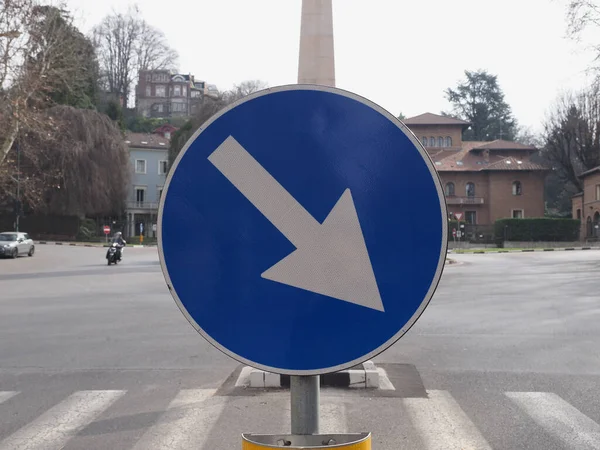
{"x": 479, "y": 100}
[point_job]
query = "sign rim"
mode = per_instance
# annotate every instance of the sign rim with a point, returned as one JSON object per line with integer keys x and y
{"x": 443, "y": 249}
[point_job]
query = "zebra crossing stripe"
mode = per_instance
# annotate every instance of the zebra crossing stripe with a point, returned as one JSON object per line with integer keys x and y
{"x": 442, "y": 424}
{"x": 56, "y": 426}
{"x": 6, "y": 395}
{"x": 332, "y": 417}
{"x": 559, "y": 418}
{"x": 185, "y": 424}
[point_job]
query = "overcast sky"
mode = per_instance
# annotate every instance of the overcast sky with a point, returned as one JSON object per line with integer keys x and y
{"x": 400, "y": 54}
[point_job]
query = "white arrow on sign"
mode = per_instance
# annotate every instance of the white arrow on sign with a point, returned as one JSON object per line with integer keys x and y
{"x": 330, "y": 258}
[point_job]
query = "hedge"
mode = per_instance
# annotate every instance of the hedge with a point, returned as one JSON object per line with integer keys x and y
{"x": 542, "y": 229}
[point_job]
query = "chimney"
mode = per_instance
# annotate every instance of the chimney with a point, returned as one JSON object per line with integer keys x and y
{"x": 168, "y": 135}
{"x": 486, "y": 156}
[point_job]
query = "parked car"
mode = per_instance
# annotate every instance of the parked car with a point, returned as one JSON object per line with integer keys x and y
{"x": 13, "y": 244}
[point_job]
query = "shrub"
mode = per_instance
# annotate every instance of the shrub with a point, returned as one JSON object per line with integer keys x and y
{"x": 541, "y": 229}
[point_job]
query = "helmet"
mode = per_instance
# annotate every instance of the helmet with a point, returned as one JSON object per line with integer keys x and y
{"x": 118, "y": 234}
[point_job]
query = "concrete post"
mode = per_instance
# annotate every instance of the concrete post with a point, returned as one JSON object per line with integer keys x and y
{"x": 317, "y": 61}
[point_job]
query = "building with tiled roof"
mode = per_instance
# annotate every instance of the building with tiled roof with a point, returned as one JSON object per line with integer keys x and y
{"x": 586, "y": 204}
{"x": 485, "y": 181}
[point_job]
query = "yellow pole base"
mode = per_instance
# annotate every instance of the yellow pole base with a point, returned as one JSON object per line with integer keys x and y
{"x": 360, "y": 441}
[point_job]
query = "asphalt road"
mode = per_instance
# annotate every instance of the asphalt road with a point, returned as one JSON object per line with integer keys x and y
{"x": 507, "y": 356}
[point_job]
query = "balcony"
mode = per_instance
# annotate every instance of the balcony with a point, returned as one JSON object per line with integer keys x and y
{"x": 142, "y": 206}
{"x": 453, "y": 200}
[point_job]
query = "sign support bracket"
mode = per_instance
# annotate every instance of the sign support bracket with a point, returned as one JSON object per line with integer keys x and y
{"x": 305, "y": 399}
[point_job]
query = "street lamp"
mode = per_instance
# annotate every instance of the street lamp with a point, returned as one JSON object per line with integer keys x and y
{"x": 18, "y": 186}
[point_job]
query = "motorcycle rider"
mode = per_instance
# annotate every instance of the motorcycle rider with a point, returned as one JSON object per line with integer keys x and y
{"x": 118, "y": 239}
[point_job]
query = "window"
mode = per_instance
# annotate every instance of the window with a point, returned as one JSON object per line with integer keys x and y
{"x": 160, "y": 107}
{"x": 148, "y": 91}
{"x": 140, "y": 166}
{"x": 589, "y": 227}
{"x": 517, "y": 188}
{"x": 159, "y": 192}
{"x": 424, "y": 141}
{"x": 578, "y": 214}
{"x": 470, "y": 189}
{"x": 160, "y": 91}
{"x": 155, "y": 77}
{"x": 450, "y": 189}
{"x": 440, "y": 141}
{"x": 140, "y": 194}
{"x": 148, "y": 77}
{"x": 471, "y": 217}
{"x": 163, "y": 166}
{"x": 432, "y": 141}
{"x": 517, "y": 214}
{"x": 184, "y": 91}
{"x": 179, "y": 107}
{"x": 448, "y": 141}
{"x": 598, "y": 192}
{"x": 177, "y": 91}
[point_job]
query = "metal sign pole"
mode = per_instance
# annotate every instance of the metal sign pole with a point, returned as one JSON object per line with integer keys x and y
{"x": 305, "y": 399}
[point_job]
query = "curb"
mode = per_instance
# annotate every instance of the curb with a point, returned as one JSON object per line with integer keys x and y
{"x": 367, "y": 377}
{"x": 528, "y": 250}
{"x": 67, "y": 243}
{"x": 98, "y": 245}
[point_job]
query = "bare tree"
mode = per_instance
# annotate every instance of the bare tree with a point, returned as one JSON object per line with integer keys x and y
{"x": 584, "y": 15}
{"x": 580, "y": 15}
{"x": 126, "y": 44}
{"x": 572, "y": 135}
{"x": 38, "y": 55}
{"x": 246, "y": 88}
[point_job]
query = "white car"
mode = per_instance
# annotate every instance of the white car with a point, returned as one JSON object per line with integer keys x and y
{"x": 13, "y": 244}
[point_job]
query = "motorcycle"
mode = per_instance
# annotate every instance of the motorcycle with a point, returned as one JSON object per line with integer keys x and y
{"x": 113, "y": 254}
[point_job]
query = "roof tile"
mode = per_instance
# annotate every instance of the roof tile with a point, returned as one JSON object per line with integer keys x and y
{"x": 146, "y": 140}
{"x": 434, "y": 119}
{"x": 500, "y": 144}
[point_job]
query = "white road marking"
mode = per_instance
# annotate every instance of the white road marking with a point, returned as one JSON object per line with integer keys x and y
{"x": 186, "y": 424}
{"x": 559, "y": 418}
{"x": 53, "y": 429}
{"x": 442, "y": 424}
{"x": 6, "y": 395}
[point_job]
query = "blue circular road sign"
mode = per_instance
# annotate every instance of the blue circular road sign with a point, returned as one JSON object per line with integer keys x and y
{"x": 303, "y": 230}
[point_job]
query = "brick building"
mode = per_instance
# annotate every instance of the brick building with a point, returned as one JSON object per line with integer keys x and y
{"x": 586, "y": 205}
{"x": 161, "y": 93}
{"x": 485, "y": 181}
